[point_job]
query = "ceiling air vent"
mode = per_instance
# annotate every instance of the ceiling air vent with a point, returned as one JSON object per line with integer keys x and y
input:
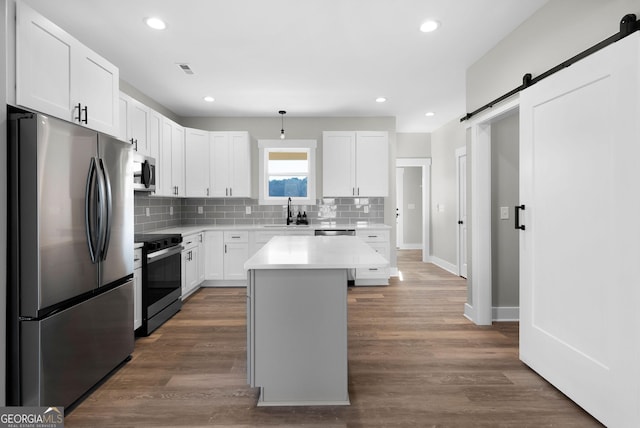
{"x": 185, "y": 68}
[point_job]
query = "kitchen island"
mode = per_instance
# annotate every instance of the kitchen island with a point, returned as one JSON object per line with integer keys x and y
{"x": 297, "y": 318}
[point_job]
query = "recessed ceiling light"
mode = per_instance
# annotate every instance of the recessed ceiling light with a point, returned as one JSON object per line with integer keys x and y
{"x": 429, "y": 26}
{"x": 209, "y": 99}
{"x": 430, "y": 114}
{"x": 381, "y": 99}
{"x": 155, "y": 23}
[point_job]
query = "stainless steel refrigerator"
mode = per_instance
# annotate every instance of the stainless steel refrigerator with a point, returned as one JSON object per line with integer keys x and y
{"x": 70, "y": 286}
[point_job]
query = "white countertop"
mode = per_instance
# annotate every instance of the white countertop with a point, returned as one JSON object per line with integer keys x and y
{"x": 189, "y": 230}
{"x": 316, "y": 252}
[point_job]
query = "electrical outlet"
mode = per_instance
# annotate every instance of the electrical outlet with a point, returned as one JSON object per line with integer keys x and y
{"x": 147, "y": 211}
{"x": 366, "y": 209}
{"x": 200, "y": 210}
{"x": 247, "y": 210}
{"x": 170, "y": 210}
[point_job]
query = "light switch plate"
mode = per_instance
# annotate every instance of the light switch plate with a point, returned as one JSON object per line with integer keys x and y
{"x": 170, "y": 210}
{"x": 200, "y": 210}
{"x": 147, "y": 211}
{"x": 247, "y": 210}
{"x": 504, "y": 213}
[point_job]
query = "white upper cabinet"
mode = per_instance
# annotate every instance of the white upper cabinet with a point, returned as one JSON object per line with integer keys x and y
{"x": 58, "y": 75}
{"x": 230, "y": 156}
{"x": 155, "y": 135}
{"x": 135, "y": 119}
{"x": 355, "y": 163}
{"x": 170, "y": 166}
{"x": 196, "y": 163}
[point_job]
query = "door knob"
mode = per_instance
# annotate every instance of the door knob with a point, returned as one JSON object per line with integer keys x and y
{"x": 460, "y": 222}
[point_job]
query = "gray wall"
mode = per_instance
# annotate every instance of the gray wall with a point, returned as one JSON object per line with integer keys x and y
{"x": 412, "y": 188}
{"x": 556, "y": 32}
{"x": 444, "y": 223}
{"x": 149, "y": 102}
{"x": 505, "y": 250}
{"x": 308, "y": 128}
{"x": 413, "y": 145}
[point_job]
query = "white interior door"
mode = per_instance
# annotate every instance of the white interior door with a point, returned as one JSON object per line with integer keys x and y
{"x": 461, "y": 167}
{"x": 579, "y": 252}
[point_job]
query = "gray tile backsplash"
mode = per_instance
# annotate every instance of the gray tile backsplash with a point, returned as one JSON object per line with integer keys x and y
{"x": 233, "y": 211}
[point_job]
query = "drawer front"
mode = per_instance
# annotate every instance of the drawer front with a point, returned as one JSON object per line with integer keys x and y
{"x": 373, "y": 235}
{"x": 242, "y": 236}
{"x": 192, "y": 241}
{"x": 137, "y": 258}
{"x": 382, "y": 249}
{"x": 372, "y": 273}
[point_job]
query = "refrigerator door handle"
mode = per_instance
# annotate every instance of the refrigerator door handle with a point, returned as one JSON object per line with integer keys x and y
{"x": 100, "y": 210}
{"x": 89, "y": 210}
{"x": 108, "y": 210}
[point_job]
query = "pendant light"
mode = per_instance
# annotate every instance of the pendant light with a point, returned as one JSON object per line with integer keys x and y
{"x": 282, "y": 113}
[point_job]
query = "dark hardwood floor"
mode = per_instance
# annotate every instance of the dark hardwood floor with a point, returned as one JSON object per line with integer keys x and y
{"x": 414, "y": 361}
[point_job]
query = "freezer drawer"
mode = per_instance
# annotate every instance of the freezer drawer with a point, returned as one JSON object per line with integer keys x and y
{"x": 64, "y": 355}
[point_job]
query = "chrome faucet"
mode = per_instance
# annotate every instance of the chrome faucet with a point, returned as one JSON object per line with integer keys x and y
{"x": 289, "y": 213}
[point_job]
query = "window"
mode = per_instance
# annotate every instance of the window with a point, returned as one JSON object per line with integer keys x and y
{"x": 287, "y": 170}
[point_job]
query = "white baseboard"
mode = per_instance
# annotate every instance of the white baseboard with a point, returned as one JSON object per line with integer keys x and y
{"x": 449, "y": 267}
{"x": 506, "y": 313}
{"x": 410, "y": 247}
{"x": 393, "y": 271}
{"x": 469, "y": 313}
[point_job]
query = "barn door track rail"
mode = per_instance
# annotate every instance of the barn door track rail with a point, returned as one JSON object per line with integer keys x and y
{"x": 628, "y": 25}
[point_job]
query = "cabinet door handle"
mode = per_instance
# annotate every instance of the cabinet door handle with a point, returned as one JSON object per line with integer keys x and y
{"x": 79, "y": 118}
{"x": 372, "y": 236}
{"x": 230, "y": 191}
{"x": 86, "y": 115}
{"x": 358, "y": 191}
{"x": 225, "y": 248}
{"x": 373, "y": 269}
{"x": 207, "y": 191}
{"x": 235, "y": 237}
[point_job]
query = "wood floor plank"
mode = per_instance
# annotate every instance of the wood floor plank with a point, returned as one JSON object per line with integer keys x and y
{"x": 414, "y": 361}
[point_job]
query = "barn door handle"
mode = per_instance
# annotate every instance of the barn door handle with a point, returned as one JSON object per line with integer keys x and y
{"x": 517, "y": 216}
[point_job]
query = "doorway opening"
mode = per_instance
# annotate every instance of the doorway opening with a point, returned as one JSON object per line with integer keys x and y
{"x": 413, "y": 223}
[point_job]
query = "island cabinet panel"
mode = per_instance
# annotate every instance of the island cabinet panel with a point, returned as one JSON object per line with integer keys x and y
{"x": 297, "y": 336}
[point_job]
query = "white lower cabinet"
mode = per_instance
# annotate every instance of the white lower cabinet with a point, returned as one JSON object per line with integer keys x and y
{"x": 225, "y": 255}
{"x": 191, "y": 264}
{"x": 137, "y": 288}
{"x": 214, "y": 255}
{"x": 236, "y": 253}
{"x": 378, "y": 239}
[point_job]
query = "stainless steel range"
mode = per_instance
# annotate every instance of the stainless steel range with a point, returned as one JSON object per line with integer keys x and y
{"x": 161, "y": 279}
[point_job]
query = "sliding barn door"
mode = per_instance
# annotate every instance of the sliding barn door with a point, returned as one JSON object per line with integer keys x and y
{"x": 580, "y": 247}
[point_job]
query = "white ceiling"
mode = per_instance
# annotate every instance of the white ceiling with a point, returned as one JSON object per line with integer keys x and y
{"x": 309, "y": 57}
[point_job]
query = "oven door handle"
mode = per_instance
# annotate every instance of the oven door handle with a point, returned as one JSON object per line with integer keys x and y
{"x": 163, "y": 254}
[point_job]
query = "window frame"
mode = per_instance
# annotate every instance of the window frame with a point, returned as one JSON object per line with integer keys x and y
{"x": 264, "y": 147}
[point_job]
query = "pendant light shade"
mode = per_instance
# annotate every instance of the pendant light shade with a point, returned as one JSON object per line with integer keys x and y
{"x": 282, "y": 113}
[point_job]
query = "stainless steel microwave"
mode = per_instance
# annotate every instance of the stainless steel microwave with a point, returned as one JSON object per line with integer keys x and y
{"x": 144, "y": 173}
